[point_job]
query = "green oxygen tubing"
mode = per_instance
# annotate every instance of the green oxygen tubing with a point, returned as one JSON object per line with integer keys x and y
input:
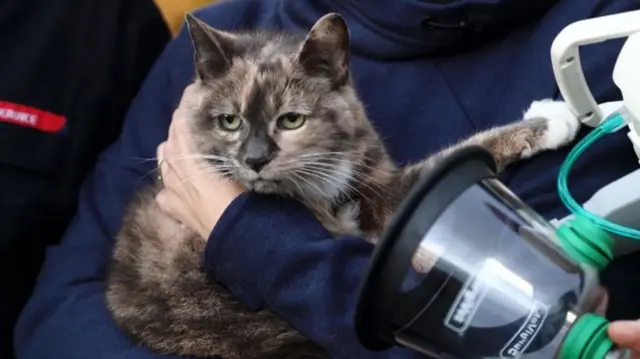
{"x": 611, "y": 124}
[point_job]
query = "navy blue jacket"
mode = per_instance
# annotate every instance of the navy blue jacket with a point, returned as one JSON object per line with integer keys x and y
{"x": 426, "y": 79}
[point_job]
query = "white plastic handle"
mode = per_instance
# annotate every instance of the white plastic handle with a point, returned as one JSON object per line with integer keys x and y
{"x": 565, "y": 59}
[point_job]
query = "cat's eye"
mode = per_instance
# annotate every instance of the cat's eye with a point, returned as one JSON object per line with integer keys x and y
{"x": 291, "y": 121}
{"x": 229, "y": 122}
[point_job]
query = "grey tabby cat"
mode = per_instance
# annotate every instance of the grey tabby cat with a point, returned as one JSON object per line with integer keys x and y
{"x": 278, "y": 113}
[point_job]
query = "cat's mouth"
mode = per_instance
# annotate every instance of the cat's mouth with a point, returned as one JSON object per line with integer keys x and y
{"x": 263, "y": 185}
{"x": 259, "y": 182}
{"x": 264, "y": 181}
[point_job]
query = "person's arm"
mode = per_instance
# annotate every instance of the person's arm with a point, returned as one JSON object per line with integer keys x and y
{"x": 66, "y": 317}
{"x": 272, "y": 252}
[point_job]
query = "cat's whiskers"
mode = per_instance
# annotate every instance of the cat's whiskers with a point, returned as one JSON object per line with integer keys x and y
{"x": 316, "y": 174}
{"x": 186, "y": 156}
{"x": 313, "y": 154}
{"x": 336, "y": 183}
{"x": 156, "y": 169}
{"x": 310, "y": 183}
{"x": 360, "y": 175}
{"x": 312, "y": 203}
{"x": 356, "y": 175}
{"x": 376, "y": 193}
{"x": 148, "y": 173}
{"x": 358, "y": 179}
{"x": 223, "y": 160}
{"x": 325, "y": 156}
{"x": 300, "y": 163}
{"x": 325, "y": 175}
{"x": 218, "y": 169}
{"x": 358, "y": 172}
{"x": 294, "y": 179}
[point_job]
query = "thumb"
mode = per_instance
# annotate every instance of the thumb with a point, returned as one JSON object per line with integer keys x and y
{"x": 626, "y": 334}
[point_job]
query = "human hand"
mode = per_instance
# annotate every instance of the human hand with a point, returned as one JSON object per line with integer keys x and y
{"x": 194, "y": 193}
{"x": 626, "y": 334}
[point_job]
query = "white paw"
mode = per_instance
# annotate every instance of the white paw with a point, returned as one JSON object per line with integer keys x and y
{"x": 562, "y": 124}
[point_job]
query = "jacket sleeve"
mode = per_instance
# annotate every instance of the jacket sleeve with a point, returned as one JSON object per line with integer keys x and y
{"x": 271, "y": 252}
{"x": 66, "y": 317}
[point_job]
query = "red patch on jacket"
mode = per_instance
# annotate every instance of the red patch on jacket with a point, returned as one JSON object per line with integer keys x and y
{"x": 31, "y": 117}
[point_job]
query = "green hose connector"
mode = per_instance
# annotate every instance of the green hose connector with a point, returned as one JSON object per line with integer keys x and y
{"x": 586, "y": 242}
{"x": 587, "y": 339}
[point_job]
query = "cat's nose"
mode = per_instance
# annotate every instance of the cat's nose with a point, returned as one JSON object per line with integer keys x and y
{"x": 257, "y": 163}
{"x": 258, "y": 151}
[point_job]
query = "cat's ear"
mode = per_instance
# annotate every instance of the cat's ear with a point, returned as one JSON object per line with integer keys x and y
{"x": 213, "y": 48}
{"x": 325, "y": 51}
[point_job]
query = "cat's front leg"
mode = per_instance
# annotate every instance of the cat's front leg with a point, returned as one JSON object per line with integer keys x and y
{"x": 545, "y": 125}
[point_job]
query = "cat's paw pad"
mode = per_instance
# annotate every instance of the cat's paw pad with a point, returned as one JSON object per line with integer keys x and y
{"x": 562, "y": 124}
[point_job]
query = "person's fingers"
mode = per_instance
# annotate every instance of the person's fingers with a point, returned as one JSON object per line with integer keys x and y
{"x": 160, "y": 153}
{"x": 170, "y": 203}
{"x": 626, "y": 334}
{"x": 160, "y": 160}
{"x": 169, "y": 174}
{"x": 167, "y": 202}
{"x": 170, "y": 177}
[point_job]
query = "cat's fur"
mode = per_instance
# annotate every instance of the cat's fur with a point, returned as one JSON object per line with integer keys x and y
{"x": 335, "y": 163}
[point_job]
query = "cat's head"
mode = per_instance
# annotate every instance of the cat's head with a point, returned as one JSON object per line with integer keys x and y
{"x": 277, "y": 112}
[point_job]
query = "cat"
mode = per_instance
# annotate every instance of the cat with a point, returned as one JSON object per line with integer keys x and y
{"x": 278, "y": 113}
